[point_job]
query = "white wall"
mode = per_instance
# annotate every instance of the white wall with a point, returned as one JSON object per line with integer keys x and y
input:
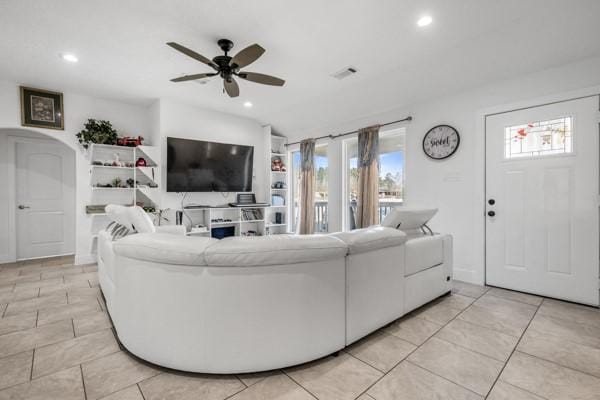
{"x": 456, "y": 185}
{"x": 127, "y": 119}
{"x": 189, "y": 122}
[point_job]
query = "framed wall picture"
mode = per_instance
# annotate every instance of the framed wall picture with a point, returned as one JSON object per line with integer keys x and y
{"x": 42, "y": 108}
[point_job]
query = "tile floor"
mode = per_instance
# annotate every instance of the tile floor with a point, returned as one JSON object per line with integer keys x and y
{"x": 57, "y": 342}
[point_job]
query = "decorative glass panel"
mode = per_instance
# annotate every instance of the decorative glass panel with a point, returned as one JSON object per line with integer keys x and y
{"x": 539, "y": 138}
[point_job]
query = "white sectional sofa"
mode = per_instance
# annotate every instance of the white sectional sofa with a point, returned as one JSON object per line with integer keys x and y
{"x": 248, "y": 304}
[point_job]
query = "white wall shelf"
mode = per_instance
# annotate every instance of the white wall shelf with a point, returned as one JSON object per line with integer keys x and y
{"x": 276, "y": 150}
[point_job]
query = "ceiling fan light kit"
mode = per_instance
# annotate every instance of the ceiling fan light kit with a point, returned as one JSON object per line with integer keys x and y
{"x": 228, "y": 67}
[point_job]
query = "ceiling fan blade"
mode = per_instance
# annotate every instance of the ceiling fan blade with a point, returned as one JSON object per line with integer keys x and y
{"x": 192, "y": 77}
{"x": 231, "y": 87}
{"x": 261, "y": 78}
{"x": 247, "y": 56}
{"x": 193, "y": 54}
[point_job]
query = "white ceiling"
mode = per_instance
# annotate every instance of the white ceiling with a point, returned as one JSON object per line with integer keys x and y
{"x": 122, "y": 51}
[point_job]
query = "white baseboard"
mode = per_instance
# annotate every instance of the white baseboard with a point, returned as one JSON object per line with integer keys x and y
{"x": 466, "y": 275}
{"x": 82, "y": 259}
{"x": 6, "y": 259}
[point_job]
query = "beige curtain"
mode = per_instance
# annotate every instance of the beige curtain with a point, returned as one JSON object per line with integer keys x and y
{"x": 367, "y": 204}
{"x": 307, "y": 187}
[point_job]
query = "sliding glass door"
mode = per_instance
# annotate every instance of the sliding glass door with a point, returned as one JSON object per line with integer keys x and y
{"x": 321, "y": 189}
{"x": 391, "y": 174}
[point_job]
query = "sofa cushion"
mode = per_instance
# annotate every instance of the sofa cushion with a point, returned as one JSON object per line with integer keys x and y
{"x": 369, "y": 239}
{"x": 408, "y": 219}
{"x": 274, "y": 250}
{"x": 119, "y": 214}
{"x": 423, "y": 252}
{"x": 164, "y": 248}
{"x": 140, "y": 220}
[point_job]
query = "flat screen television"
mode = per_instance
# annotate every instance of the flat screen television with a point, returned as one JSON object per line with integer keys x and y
{"x": 199, "y": 166}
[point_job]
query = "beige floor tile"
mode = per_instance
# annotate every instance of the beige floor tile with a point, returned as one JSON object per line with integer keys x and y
{"x": 505, "y": 305}
{"x": 577, "y": 356}
{"x": 456, "y": 300}
{"x": 549, "y": 380}
{"x": 112, "y": 373}
{"x": 439, "y": 313}
{"x": 90, "y": 268}
{"x": 3, "y": 309}
{"x": 62, "y": 260}
{"x": 28, "y": 339}
{"x": 130, "y": 393}
{"x": 464, "y": 367}
{"x": 381, "y": 350}
{"x": 63, "y": 385}
{"x": 412, "y": 329}
{"x": 37, "y": 284}
{"x": 14, "y": 280}
{"x": 68, "y": 353}
{"x": 190, "y": 387}
{"x": 80, "y": 295}
{"x": 571, "y": 312}
{"x": 335, "y": 378}
{"x": 410, "y": 382}
{"x": 497, "y": 320}
{"x": 468, "y": 289}
{"x": 6, "y": 288}
{"x": 94, "y": 282}
{"x": 68, "y": 311}
{"x": 15, "y": 369}
{"x": 364, "y": 397}
{"x": 93, "y": 322}
{"x": 10, "y": 297}
{"x": 62, "y": 271}
{"x": 38, "y": 303}
{"x": 62, "y": 288}
{"x": 253, "y": 378}
{"x": 567, "y": 330}
{"x": 275, "y": 387}
{"x": 505, "y": 391}
{"x": 516, "y": 296}
{"x": 81, "y": 277}
{"x": 477, "y": 338}
{"x": 17, "y": 322}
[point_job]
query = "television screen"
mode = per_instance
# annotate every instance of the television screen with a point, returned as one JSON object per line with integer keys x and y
{"x": 198, "y": 166}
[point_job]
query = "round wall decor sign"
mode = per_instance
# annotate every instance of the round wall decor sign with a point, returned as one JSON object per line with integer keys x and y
{"x": 441, "y": 142}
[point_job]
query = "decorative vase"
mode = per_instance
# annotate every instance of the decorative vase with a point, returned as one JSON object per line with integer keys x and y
{"x": 140, "y": 162}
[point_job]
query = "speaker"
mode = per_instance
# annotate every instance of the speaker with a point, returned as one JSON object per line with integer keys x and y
{"x": 278, "y": 218}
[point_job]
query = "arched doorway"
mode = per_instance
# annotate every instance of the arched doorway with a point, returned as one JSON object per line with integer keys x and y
{"x": 39, "y": 205}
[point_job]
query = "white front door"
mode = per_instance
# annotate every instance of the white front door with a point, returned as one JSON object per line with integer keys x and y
{"x": 45, "y": 198}
{"x": 542, "y": 200}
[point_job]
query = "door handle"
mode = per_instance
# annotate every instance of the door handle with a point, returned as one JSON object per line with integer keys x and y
{"x": 22, "y": 207}
{"x": 491, "y": 213}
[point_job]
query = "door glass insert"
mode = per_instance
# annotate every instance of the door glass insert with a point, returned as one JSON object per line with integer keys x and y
{"x": 539, "y": 138}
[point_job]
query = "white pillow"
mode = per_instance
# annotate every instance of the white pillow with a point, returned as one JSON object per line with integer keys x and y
{"x": 140, "y": 220}
{"x": 119, "y": 215}
{"x": 407, "y": 219}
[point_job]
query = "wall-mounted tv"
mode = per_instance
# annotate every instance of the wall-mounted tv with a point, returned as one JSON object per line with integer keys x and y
{"x": 198, "y": 166}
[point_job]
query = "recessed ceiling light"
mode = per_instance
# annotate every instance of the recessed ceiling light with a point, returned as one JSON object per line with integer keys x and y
{"x": 247, "y": 104}
{"x": 425, "y": 20}
{"x": 69, "y": 57}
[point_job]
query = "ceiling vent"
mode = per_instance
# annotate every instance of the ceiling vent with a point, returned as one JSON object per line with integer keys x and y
{"x": 344, "y": 73}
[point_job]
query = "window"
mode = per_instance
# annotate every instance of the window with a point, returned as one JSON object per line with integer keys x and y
{"x": 321, "y": 189}
{"x": 539, "y": 138}
{"x": 391, "y": 174}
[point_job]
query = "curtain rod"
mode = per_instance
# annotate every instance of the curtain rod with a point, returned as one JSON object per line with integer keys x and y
{"x": 409, "y": 118}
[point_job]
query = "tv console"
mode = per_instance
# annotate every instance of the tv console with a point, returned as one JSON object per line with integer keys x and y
{"x": 245, "y": 220}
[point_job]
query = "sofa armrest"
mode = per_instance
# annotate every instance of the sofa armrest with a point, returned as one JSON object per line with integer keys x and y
{"x": 172, "y": 229}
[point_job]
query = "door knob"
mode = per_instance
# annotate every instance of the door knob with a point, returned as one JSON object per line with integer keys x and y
{"x": 22, "y": 207}
{"x": 491, "y": 202}
{"x": 491, "y": 213}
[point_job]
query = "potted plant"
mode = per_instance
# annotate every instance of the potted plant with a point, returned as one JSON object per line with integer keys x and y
{"x": 97, "y": 131}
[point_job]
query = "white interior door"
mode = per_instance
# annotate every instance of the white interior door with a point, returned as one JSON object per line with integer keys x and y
{"x": 45, "y": 199}
{"x": 542, "y": 200}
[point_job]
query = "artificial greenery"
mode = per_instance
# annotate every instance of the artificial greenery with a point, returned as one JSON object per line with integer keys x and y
{"x": 97, "y": 131}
